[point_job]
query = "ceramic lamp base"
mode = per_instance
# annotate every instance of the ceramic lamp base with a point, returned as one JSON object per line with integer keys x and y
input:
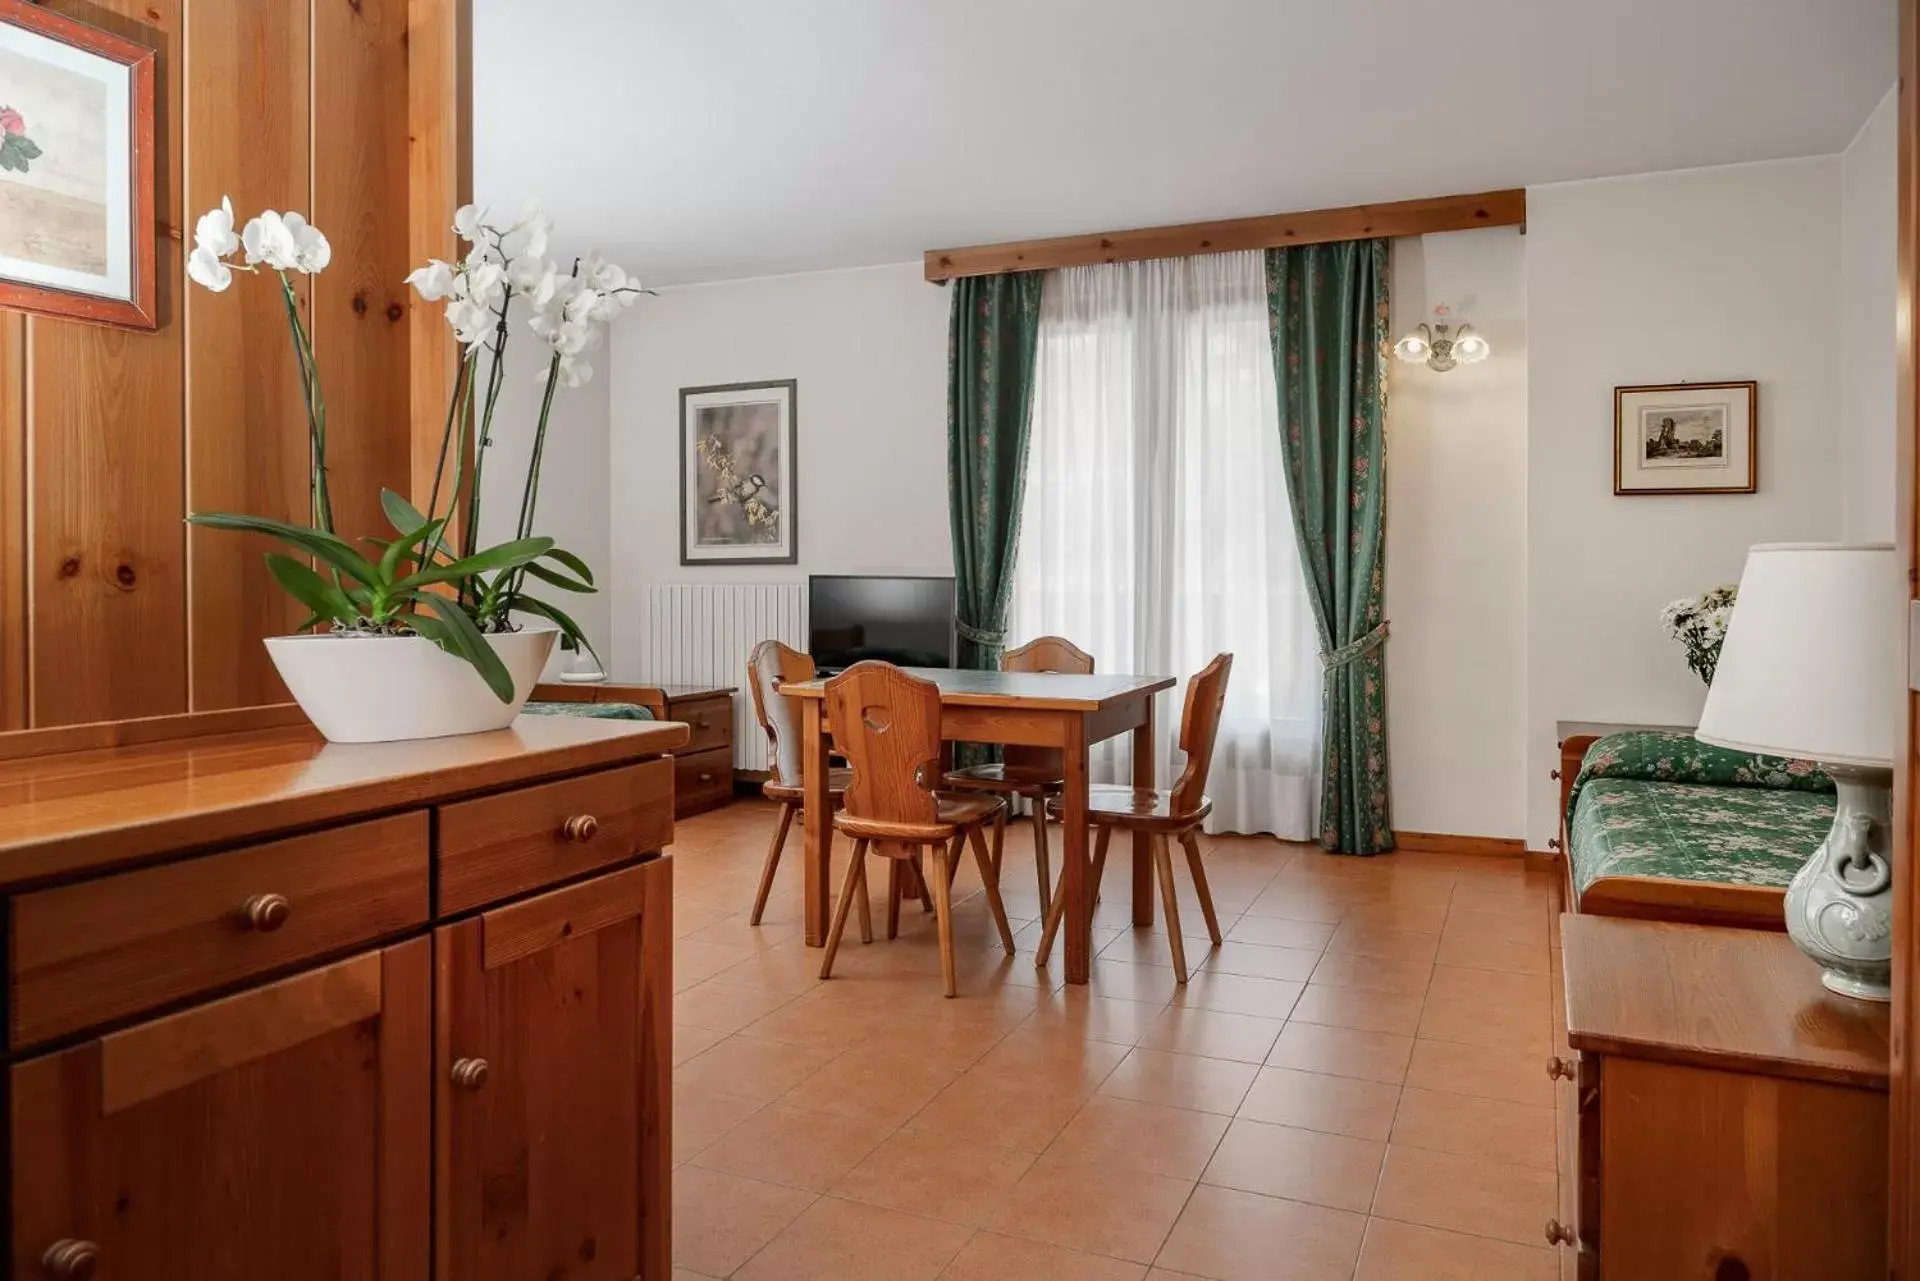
{"x": 1840, "y": 905}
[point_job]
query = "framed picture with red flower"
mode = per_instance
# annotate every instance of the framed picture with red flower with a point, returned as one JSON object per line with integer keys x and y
{"x": 76, "y": 169}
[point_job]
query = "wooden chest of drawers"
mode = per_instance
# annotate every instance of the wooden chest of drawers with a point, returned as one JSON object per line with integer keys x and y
{"x": 703, "y": 768}
{"x": 1723, "y": 1116}
{"x": 277, "y": 1008}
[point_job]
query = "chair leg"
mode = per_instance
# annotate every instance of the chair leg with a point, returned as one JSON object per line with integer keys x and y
{"x": 920, "y": 879}
{"x": 943, "y": 912}
{"x": 1040, "y": 859}
{"x": 773, "y": 861}
{"x": 865, "y": 904}
{"x": 895, "y": 884}
{"x": 999, "y": 839}
{"x": 1191, "y": 843}
{"x": 1057, "y": 909}
{"x": 1163, "y": 862}
{"x": 854, "y": 884}
{"x": 1099, "y": 862}
{"x": 992, "y": 883}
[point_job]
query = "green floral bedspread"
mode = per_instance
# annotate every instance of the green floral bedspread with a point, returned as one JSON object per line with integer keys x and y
{"x": 1668, "y": 805}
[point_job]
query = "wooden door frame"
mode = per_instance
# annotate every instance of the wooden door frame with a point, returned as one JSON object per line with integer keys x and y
{"x": 1903, "y": 1217}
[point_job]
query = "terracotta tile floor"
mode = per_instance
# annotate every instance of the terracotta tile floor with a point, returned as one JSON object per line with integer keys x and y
{"x": 1351, "y": 1088}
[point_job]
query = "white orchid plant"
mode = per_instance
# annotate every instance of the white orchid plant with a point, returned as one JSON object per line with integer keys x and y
{"x": 419, "y": 582}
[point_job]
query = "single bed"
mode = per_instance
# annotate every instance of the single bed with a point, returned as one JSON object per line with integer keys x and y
{"x": 1660, "y": 826}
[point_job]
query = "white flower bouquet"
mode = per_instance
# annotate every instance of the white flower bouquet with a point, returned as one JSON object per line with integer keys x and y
{"x": 419, "y": 582}
{"x": 1700, "y": 625}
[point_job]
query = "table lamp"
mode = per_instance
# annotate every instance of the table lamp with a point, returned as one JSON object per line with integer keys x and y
{"x": 1811, "y": 669}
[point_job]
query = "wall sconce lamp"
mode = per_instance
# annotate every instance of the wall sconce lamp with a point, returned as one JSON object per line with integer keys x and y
{"x": 1441, "y": 345}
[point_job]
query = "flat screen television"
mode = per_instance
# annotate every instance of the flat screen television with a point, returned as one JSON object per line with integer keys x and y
{"x": 906, "y": 621}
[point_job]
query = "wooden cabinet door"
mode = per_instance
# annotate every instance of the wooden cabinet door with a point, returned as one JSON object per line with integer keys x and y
{"x": 553, "y": 1058}
{"x": 282, "y": 1132}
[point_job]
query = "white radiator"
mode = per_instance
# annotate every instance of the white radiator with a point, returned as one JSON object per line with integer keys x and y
{"x": 701, "y": 634}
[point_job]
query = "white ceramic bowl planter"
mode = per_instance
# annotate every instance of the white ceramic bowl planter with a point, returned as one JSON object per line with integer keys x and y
{"x": 381, "y": 689}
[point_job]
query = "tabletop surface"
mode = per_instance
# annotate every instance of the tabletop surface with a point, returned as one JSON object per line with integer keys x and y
{"x": 1747, "y": 1000}
{"x": 71, "y": 811}
{"x": 1047, "y": 691}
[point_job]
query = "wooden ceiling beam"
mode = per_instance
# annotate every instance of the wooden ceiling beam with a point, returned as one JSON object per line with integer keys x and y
{"x": 1316, "y": 226}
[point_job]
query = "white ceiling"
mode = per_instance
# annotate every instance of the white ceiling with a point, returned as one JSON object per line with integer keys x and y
{"x": 709, "y": 139}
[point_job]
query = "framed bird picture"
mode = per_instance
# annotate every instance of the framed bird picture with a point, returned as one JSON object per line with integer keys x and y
{"x": 737, "y": 474}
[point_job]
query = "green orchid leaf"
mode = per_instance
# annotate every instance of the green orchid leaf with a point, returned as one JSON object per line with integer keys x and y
{"x": 324, "y": 598}
{"x": 503, "y": 556}
{"x": 572, "y": 562}
{"x": 568, "y": 628}
{"x": 464, "y": 640}
{"x": 334, "y": 550}
{"x": 565, "y": 582}
{"x": 404, "y": 548}
{"x": 403, "y": 515}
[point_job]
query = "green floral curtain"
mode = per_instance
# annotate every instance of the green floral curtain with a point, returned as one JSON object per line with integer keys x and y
{"x": 1327, "y": 314}
{"x": 991, "y": 344}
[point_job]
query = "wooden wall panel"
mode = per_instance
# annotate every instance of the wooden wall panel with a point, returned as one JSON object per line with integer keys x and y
{"x": 360, "y": 175}
{"x": 13, "y": 522}
{"x": 440, "y": 180}
{"x": 354, "y": 112}
{"x": 106, "y": 580}
{"x": 248, "y": 125}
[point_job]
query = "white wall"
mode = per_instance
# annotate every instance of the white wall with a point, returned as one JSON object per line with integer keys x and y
{"x": 1709, "y": 274}
{"x": 1869, "y": 208}
{"x": 869, "y": 351}
{"x": 1457, "y": 544}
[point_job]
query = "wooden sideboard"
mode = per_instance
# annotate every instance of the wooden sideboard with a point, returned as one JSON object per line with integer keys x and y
{"x": 703, "y": 769}
{"x": 1724, "y": 1117}
{"x": 288, "y": 1009}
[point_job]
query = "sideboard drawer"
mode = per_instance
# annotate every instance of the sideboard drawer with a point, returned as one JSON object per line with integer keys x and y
{"x": 703, "y": 780}
{"x": 494, "y": 847}
{"x": 91, "y": 953}
{"x": 710, "y": 721}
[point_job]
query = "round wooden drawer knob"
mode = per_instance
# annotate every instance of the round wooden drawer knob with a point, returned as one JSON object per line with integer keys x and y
{"x": 1559, "y": 1233}
{"x": 581, "y": 828}
{"x": 70, "y": 1260}
{"x": 265, "y": 913}
{"x": 1559, "y": 1069}
{"x": 470, "y": 1074}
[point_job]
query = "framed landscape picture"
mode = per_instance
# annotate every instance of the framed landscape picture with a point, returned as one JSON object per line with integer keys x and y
{"x": 76, "y": 170}
{"x": 1686, "y": 438}
{"x": 737, "y": 474}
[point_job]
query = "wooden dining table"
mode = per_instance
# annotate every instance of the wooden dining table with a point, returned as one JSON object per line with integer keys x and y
{"x": 1037, "y": 709}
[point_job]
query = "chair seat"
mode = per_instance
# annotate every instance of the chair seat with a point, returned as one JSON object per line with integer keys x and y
{"x": 838, "y": 781}
{"x": 1148, "y": 809}
{"x": 952, "y": 813}
{"x": 1015, "y": 780}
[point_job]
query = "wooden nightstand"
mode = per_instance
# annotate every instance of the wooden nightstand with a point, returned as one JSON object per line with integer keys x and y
{"x": 1724, "y": 1117}
{"x": 703, "y": 769}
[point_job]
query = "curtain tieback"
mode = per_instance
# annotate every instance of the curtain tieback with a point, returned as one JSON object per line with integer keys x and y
{"x": 980, "y": 635}
{"x": 1333, "y": 658}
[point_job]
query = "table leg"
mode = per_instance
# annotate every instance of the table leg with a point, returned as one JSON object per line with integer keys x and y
{"x": 1074, "y": 881}
{"x": 817, "y": 848}
{"x": 1142, "y": 844}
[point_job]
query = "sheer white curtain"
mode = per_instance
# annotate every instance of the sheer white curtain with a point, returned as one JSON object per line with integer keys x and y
{"x": 1156, "y": 532}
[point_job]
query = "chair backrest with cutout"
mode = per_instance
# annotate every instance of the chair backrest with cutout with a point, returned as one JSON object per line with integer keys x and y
{"x": 1199, "y": 727}
{"x": 770, "y": 666}
{"x": 887, "y": 724}
{"x": 1043, "y": 654}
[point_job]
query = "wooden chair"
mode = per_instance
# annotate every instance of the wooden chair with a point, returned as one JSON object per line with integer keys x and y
{"x": 769, "y": 666}
{"x": 888, "y": 724}
{"x": 1162, "y": 814}
{"x": 1031, "y": 772}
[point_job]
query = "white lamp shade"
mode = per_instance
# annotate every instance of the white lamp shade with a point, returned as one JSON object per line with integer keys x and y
{"x": 1811, "y": 667}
